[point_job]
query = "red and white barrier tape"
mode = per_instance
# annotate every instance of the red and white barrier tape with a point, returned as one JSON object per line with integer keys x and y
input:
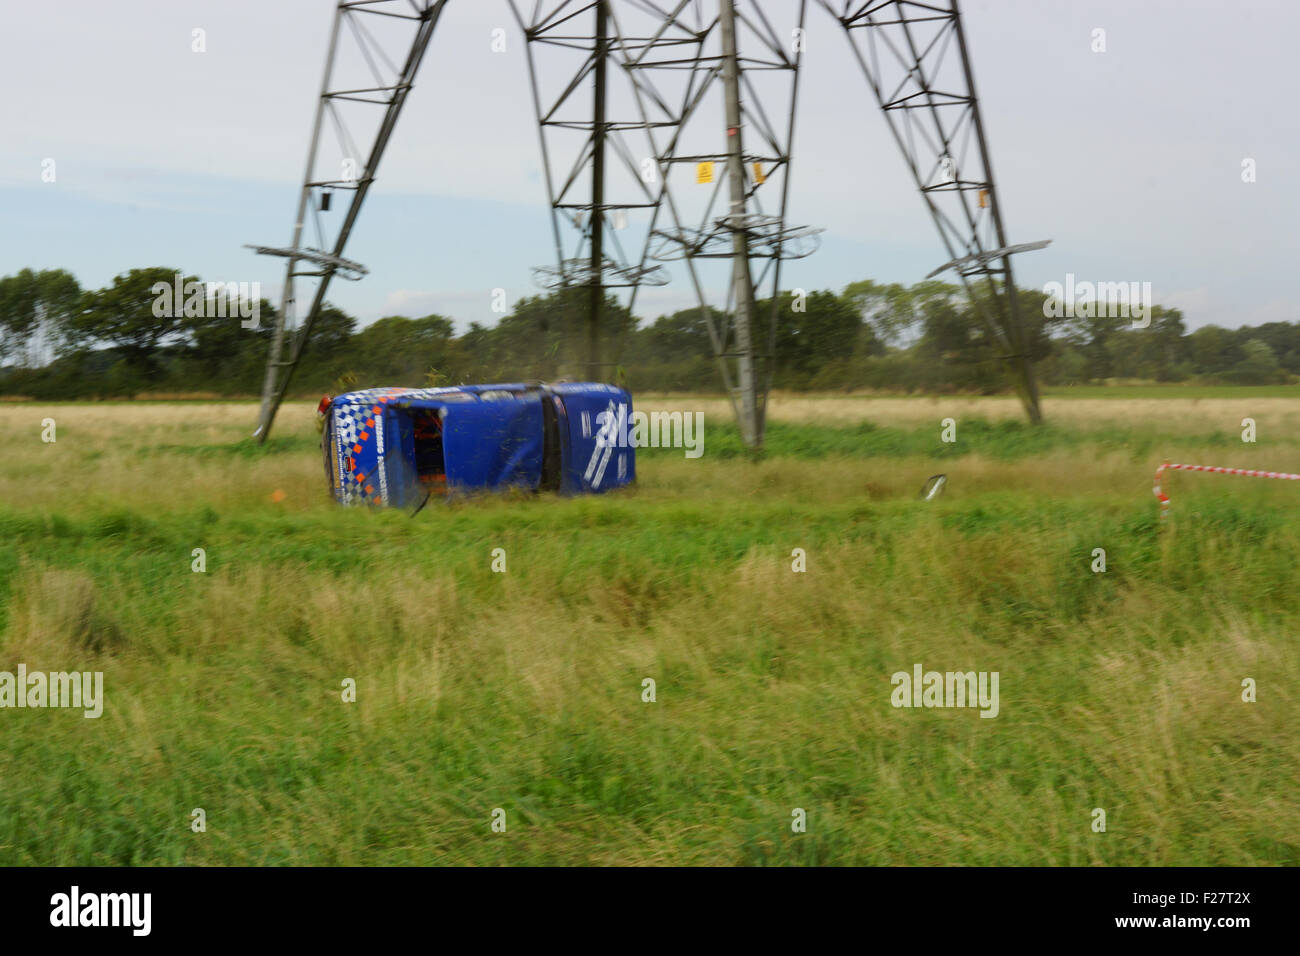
{"x": 1245, "y": 472}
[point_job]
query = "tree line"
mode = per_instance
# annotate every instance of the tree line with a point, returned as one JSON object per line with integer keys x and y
{"x": 58, "y": 340}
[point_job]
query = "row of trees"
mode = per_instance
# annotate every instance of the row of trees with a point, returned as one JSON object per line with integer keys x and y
{"x": 58, "y": 340}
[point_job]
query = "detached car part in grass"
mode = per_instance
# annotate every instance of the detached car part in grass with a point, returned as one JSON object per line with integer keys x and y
{"x": 397, "y": 446}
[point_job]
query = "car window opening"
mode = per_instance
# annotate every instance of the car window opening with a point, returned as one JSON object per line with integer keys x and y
{"x": 430, "y": 465}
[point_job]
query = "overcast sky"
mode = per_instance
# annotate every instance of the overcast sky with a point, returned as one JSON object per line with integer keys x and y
{"x": 1129, "y": 160}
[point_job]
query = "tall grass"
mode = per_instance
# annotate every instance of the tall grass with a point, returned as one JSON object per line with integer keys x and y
{"x": 523, "y": 691}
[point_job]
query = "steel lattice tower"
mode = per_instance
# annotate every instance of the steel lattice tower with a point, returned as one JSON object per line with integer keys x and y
{"x": 375, "y": 49}
{"x": 916, "y": 63}
{"x": 593, "y": 179}
{"x": 704, "y": 101}
{"x": 678, "y": 87}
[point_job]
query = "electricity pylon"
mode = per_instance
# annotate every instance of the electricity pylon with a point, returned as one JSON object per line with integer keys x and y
{"x": 654, "y": 67}
{"x": 592, "y": 194}
{"x": 731, "y": 48}
{"x": 914, "y": 55}
{"x": 375, "y": 49}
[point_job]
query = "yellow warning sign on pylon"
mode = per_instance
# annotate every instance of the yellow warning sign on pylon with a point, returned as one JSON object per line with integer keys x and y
{"x": 704, "y": 172}
{"x": 984, "y": 198}
{"x": 758, "y": 174}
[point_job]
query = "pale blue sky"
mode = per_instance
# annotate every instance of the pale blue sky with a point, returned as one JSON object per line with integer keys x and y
{"x": 1129, "y": 160}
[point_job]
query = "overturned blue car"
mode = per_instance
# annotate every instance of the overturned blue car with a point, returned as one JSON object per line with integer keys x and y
{"x": 397, "y": 446}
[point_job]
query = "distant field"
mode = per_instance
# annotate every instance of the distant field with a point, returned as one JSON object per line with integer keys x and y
{"x": 523, "y": 691}
{"x": 1174, "y": 391}
{"x": 1162, "y": 391}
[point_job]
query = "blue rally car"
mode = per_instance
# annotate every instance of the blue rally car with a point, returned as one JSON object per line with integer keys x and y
{"x": 396, "y": 446}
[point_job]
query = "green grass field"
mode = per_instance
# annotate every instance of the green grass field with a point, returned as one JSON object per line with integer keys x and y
{"x": 523, "y": 691}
